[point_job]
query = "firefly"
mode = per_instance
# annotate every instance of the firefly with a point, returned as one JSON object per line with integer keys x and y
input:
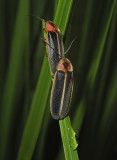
{"x": 61, "y": 70}
{"x": 54, "y": 44}
{"x": 62, "y": 87}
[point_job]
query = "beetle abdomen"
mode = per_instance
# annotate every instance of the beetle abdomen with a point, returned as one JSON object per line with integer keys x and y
{"x": 61, "y": 94}
{"x": 55, "y": 49}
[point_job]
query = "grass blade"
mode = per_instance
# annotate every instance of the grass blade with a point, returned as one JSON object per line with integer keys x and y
{"x": 99, "y": 49}
{"x": 39, "y": 103}
{"x": 68, "y": 135}
{"x": 36, "y": 114}
{"x": 62, "y": 14}
{"x": 63, "y": 9}
{"x": 10, "y": 94}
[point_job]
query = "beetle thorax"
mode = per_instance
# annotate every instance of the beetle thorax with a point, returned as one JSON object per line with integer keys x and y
{"x": 64, "y": 65}
{"x": 51, "y": 27}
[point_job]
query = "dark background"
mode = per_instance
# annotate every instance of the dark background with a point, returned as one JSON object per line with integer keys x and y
{"x": 93, "y": 110}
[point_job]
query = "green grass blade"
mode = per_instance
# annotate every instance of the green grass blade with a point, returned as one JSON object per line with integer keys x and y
{"x": 110, "y": 104}
{"x": 77, "y": 122}
{"x": 13, "y": 77}
{"x": 41, "y": 143}
{"x": 68, "y": 138}
{"x": 63, "y": 9}
{"x": 99, "y": 49}
{"x": 107, "y": 126}
{"x": 105, "y": 68}
{"x": 79, "y": 116}
{"x": 95, "y": 109}
{"x": 2, "y": 47}
{"x": 62, "y": 14}
{"x": 85, "y": 32}
{"x": 38, "y": 106}
{"x": 36, "y": 114}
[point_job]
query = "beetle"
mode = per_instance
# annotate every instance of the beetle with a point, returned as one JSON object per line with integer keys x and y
{"x": 54, "y": 44}
{"x": 61, "y": 68}
{"x": 61, "y": 89}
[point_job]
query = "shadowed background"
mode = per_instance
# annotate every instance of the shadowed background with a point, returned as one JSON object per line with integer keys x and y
{"x": 93, "y": 109}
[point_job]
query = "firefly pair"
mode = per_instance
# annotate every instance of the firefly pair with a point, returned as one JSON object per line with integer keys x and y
{"x": 61, "y": 70}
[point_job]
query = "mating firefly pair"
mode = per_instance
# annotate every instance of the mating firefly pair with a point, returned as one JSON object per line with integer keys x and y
{"x": 61, "y": 69}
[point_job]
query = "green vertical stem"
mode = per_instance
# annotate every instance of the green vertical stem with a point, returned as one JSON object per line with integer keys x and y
{"x": 36, "y": 114}
{"x": 2, "y": 47}
{"x": 13, "y": 76}
{"x": 68, "y": 138}
{"x": 105, "y": 65}
{"x": 99, "y": 50}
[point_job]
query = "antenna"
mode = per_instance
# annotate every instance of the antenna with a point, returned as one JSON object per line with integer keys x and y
{"x": 37, "y": 17}
{"x": 51, "y": 47}
{"x": 70, "y": 45}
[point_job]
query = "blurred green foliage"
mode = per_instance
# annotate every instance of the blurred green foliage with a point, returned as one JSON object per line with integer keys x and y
{"x": 93, "y": 109}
